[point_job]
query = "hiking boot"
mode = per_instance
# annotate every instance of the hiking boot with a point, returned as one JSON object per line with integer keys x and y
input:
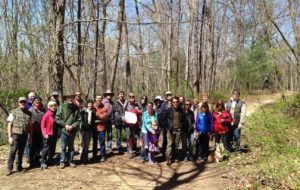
{"x": 62, "y": 166}
{"x": 8, "y": 172}
{"x": 102, "y": 159}
{"x": 72, "y": 165}
{"x": 19, "y": 168}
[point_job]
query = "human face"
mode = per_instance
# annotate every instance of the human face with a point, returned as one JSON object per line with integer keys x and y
{"x": 22, "y": 104}
{"x": 195, "y": 102}
{"x": 131, "y": 98}
{"x": 37, "y": 102}
{"x": 99, "y": 99}
{"x": 70, "y": 99}
{"x": 77, "y": 96}
{"x": 168, "y": 96}
{"x": 53, "y": 107}
{"x": 122, "y": 96}
{"x": 31, "y": 95}
{"x": 55, "y": 97}
{"x": 150, "y": 108}
{"x": 219, "y": 107}
{"x": 205, "y": 99}
{"x": 143, "y": 100}
{"x": 181, "y": 100}
{"x": 175, "y": 103}
{"x": 187, "y": 105}
{"x": 108, "y": 96}
{"x": 204, "y": 110}
{"x": 90, "y": 106}
{"x": 235, "y": 95}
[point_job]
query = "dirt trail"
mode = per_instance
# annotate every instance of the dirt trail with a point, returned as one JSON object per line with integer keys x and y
{"x": 119, "y": 172}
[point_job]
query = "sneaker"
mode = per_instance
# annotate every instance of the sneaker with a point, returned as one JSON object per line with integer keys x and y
{"x": 62, "y": 166}
{"x": 102, "y": 159}
{"x": 44, "y": 166}
{"x": 8, "y": 172}
{"x": 130, "y": 155}
{"x": 72, "y": 165}
{"x": 169, "y": 162}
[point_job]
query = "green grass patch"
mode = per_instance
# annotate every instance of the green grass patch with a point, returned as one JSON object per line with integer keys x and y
{"x": 273, "y": 137}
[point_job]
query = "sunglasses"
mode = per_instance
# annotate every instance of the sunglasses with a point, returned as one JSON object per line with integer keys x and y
{"x": 23, "y": 102}
{"x": 187, "y": 104}
{"x": 131, "y": 96}
{"x": 175, "y": 102}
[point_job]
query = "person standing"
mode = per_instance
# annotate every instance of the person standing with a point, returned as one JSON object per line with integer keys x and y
{"x": 161, "y": 123}
{"x": 68, "y": 119}
{"x": 109, "y": 121}
{"x": 55, "y": 97}
{"x": 49, "y": 132}
{"x": 98, "y": 102}
{"x": 132, "y": 124}
{"x": 222, "y": 120}
{"x": 87, "y": 127}
{"x": 19, "y": 129}
{"x": 190, "y": 129}
{"x": 37, "y": 112}
{"x": 30, "y": 98}
{"x": 237, "y": 108}
{"x": 175, "y": 123}
{"x": 119, "y": 118}
{"x": 148, "y": 117}
{"x": 205, "y": 99}
{"x": 102, "y": 114}
{"x": 204, "y": 128}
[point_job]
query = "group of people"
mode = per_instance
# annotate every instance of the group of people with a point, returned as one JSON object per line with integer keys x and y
{"x": 184, "y": 126}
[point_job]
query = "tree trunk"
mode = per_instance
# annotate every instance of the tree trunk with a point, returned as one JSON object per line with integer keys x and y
{"x": 79, "y": 50}
{"x": 118, "y": 42}
{"x": 127, "y": 57}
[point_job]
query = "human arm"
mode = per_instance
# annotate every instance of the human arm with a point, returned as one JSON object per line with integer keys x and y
{"x": 243, "y": 116}
{"x": 44, "y": 125}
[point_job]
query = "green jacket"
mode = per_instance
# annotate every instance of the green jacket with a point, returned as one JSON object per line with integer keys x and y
{"x": 68, "y": 114}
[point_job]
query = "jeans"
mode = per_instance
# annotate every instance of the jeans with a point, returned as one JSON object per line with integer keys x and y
{"x": 234, "y": 137}
{"x": 102, "y": 142}
{"x": 86, "y": 137}
{"x": 48, "y": 149}
{"x": 19, "y": 143}
{"x": 108, "y": 130}
{"x": 66, "y": 141}
{"x": 95, "y": 142}
{"x": 191, "y": 145}
{"x": 144, "y": 152}
{"x": 223, "y": 138}
{"x": 202, "y": 145}
{"x": 119, "y": 129}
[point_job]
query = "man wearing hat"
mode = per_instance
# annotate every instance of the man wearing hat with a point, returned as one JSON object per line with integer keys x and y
{"x": 68, "y": 119}
{"x": 18, "y": 129}
{"x": 237, "y": 109}
{"x": 55, "y": 97}
{"x": 110, "y": 120}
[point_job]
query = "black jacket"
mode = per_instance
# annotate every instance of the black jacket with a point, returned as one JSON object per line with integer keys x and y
{"x": 190, "y": 122}
{"x": 168, "y": 116}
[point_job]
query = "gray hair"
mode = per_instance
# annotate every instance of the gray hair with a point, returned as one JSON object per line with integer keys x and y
{"x": 51, "y": 103}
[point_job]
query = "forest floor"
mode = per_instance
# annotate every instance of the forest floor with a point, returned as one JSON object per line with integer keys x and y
{"x": 120, "y": 172}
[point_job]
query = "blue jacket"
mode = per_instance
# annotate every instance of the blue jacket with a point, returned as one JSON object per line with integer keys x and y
{"x": 146, "y": 121}
{"x": 204, "y": 123}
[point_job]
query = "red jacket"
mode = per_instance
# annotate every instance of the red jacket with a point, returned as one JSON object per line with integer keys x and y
{"x": 47, "y": 123}
{"x": 102, "y": 115}
{"x": 219, "y": 126}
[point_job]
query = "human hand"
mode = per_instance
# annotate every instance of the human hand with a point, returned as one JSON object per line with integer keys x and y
{"x": 113, "y": 126}
{"x": 46, "y": 136}
{"x": 11, "y": 141}
{"x": 153, "y": 132}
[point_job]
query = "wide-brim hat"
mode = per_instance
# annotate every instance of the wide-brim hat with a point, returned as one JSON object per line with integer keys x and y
{"x": 168, "y": 93}
{"x": 158, "y": 98}
{"x": 55, "y": 93}
{"x": 108, "y": 92}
